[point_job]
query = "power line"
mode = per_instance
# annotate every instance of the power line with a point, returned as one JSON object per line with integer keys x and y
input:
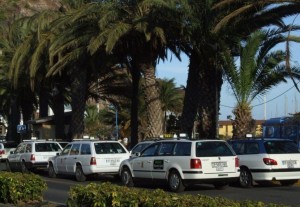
{"x": 270, "y": 99}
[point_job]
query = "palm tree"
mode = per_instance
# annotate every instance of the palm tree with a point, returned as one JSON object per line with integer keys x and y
{"x": 138, "y": 30}
{"x": 171, "y": 98}
{"x": 21, "y": 99}
{"x": 218, "y": 27}
{"x": 54, "y": 83}
{"x": 259, "y": 70}
{"x": 26, "y": 65}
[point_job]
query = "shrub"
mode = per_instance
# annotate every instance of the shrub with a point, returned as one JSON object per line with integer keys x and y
{"x": 107, "y": 194}
{"x": 16, "y": 187}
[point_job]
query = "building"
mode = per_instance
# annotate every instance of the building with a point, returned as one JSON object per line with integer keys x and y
{"x": 225, "y": 128}
{"x": 44, "y": 128}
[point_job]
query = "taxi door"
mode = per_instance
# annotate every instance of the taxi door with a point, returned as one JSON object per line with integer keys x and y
{"x": 142, "y": 166}
{"x": 16, "y": 157}
{"x": 72, "y": 159}
{"x": 162, "y": 161}
{"x": 60, "y": 160}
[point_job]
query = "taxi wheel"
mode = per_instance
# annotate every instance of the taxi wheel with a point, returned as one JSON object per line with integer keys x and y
{"x": 79, "y": 174}
{"x": 288, "y": 182}
{"x": 7, "y": 166}
{"x": 24, "y": 169}
{"x": 126, "y": 177}
{"x": 245, "y": 178}
{"x": 51, "y": 171}
{"x": 175, "y": 182}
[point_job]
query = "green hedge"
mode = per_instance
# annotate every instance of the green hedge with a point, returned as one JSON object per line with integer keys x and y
{"x": 109, "y": 195}
{"x": 16, "y": 187}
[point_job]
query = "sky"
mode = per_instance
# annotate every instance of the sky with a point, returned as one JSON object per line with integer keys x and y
{"x": 281, "y": 100}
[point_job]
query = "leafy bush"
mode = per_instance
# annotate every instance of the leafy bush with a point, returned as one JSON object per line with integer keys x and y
{"x": 16, "y": 187}
{"x": 107, "y": 194}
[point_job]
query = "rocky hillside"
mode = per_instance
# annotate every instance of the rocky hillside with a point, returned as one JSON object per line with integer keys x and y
{"x": 29, "y": 6}
{"x": 18, "y": 8}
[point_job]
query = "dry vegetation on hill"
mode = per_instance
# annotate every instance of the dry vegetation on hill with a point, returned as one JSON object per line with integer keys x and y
{"x": 27, "y": 7}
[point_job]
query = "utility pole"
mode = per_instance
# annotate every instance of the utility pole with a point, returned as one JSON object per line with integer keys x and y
{"x": 285, "y": 105}
{"x": 265, "y": 107}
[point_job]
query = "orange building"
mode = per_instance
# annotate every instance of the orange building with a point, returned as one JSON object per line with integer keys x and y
{"x": 225, "y": 128}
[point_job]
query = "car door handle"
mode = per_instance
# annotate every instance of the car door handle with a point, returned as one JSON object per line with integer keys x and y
{"x": 149, "y": 161}
{"x": 75, "y": 158}
{"x": 167, "y": 161}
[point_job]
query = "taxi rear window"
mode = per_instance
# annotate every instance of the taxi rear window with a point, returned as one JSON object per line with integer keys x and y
{"x": 281, "y": 147}
{"x": 109, "y": 148}
{"x": 213, "y": 149}
{"x": 47, "y": 147}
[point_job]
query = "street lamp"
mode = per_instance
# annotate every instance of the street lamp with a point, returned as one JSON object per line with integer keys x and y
{"x": 117, "y": 128}
{"x": 114, "y": 107}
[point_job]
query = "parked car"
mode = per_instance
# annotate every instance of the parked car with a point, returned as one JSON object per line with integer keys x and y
{"x": 32, "y": 154}
{"x": 140, "y": 146}
{"x": 265, "y": 160}
{"x": 182, "y": 162}
{"x": 88, "y": 157}
{"x": 5, "y": 148}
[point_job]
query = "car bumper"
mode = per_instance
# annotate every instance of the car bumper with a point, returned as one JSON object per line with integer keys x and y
{"x": 210, "y": 181}
{"x": 100, "y": 170}
{"x": 199, "y": 177}
{"x": 275, "y": 174}
{"x": 42, "y": 165}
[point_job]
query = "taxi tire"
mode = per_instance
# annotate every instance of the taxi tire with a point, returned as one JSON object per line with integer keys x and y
{"x": 175, "y": 182}
{"x": 24, "y": 169}
{"x": 51, "y": 171}
{"x": 79, "y": 175}
{"x": 245, "y": 179}
{"x": 126, "y": 177}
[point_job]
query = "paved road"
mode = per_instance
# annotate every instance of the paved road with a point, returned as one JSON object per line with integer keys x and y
{"x": 58, "y": 189}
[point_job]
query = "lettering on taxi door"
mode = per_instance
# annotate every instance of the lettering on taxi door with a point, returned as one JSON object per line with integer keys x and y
{"x": 158, "y": 164}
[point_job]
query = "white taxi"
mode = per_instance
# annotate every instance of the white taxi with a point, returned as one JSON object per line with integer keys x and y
{"x": 32, "y": 154}
{"x": 183, "y": 162}
{"x": 267, "y": 159}
{"x": 88, "y": 157}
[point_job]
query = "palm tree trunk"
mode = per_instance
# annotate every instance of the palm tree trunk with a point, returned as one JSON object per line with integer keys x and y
{"x": 135, "y": 73}
{"x": 152, "y": 101}
{"x": 78, "y": 95}
{"x": 43, "y": 103}
{"x": 59, "y": 117}
{"x": 202, "y": 96}
{"x": 13, "y": 121}
{"x": 243, "y": 123}
{"x": 209, "y": 106}
{"x": 27, "y": 109}
{"x": 192, "y": 95}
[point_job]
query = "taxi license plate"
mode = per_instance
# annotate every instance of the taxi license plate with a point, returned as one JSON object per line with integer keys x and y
{"x": 219, "y": 165}
{"x": 289, "y": 163}
{"x": 112, "y": 161}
